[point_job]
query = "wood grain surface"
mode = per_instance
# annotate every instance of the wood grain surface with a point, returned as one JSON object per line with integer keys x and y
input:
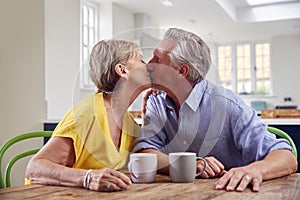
{"x": 282, "y": 188}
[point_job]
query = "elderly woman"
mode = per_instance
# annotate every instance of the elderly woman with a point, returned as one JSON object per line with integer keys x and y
{"x": 95, "y": 137}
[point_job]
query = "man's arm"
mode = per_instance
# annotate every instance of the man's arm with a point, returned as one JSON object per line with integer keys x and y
{"x": 276, "y": 164}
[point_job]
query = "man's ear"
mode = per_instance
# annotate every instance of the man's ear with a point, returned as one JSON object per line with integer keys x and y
{"x": 120, "y": 70}
{"x": 184, "y": 69}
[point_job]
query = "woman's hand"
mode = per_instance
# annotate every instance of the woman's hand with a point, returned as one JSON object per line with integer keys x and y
{"x": 145, "y": 98}
{"x": 108, "y": 180}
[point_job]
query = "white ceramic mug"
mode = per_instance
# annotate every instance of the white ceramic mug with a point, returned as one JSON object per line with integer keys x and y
{"x": 183, "y": 166}
{"x": 142, "y": 167}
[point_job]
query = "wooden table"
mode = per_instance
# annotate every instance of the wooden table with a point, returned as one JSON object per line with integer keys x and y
{"x": 282, "y": 188}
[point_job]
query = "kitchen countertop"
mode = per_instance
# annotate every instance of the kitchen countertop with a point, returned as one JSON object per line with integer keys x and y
{"x": 282, "y": 121}
{"x": 273, "y": 121}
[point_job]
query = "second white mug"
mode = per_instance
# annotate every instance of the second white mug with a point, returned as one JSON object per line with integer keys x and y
{"x": 183, "y": 166}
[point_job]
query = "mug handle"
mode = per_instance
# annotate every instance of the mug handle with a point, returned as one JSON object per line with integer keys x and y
{"x": 204, "y": 167}
{"x": 130, "y": 168}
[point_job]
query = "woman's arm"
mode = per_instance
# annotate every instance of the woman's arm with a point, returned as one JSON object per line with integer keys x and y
{"x": 53, "y": 165}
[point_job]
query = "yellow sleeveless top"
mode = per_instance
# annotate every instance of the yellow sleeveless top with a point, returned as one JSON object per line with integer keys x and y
{"x": 87, "y": 125}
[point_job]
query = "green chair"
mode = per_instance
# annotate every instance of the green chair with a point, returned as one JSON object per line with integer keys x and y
{"x": 284, "y": 135}
{"x": 8, "y": 144}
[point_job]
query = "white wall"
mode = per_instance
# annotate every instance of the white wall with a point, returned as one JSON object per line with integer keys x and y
{"x": 285, "y": 52}
{"x": 62, "y": 40}
{"x": 123, "y": 23}
{"x": 22, "y": 73}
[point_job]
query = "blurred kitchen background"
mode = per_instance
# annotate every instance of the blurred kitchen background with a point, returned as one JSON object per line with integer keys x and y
{"x": 44, "y": 45}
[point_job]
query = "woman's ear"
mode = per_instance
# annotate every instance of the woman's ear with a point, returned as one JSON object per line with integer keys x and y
{"x": 121, "y": 70}
{"x": 184, "y": 69}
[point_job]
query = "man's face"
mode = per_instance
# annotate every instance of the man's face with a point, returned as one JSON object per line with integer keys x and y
{"x": 159, "y": 67}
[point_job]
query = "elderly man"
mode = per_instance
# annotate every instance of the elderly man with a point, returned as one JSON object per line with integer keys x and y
{"x": 196, "y": 116}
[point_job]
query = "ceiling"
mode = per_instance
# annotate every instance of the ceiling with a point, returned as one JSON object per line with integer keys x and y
{"x": 222, "y": 21}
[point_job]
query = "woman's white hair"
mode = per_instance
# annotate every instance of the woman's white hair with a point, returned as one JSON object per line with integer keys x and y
{"x": 105, "y": 55}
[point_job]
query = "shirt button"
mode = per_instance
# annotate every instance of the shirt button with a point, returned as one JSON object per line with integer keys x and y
{"x": 184, "y": 142}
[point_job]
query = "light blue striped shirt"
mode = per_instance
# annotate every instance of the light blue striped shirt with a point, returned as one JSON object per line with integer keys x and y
{"x": 213, "y": 121}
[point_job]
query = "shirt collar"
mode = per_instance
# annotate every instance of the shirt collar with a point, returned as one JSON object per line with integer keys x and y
{"x": 193, "y": 99}
{"x": 196, "y": 95}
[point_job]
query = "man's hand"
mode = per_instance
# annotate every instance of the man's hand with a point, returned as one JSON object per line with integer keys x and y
{"x": 239, "y": 178}
{"x": 276, "y": 164}
{"x": 214, "y": 168}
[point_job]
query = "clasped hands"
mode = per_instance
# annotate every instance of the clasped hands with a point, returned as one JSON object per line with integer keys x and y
{"x": 236, "y": 179}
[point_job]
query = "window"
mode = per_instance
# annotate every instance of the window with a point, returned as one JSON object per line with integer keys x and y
{"x": 262, "y": 67}
{"x": 245, "y": 68}
{"x": 89, "y": 36}
{"x": 225, "y": 66}
{"x": 243, "y": 57}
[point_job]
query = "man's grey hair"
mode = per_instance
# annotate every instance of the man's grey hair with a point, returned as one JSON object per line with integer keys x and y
{"x": 190, "y": 49}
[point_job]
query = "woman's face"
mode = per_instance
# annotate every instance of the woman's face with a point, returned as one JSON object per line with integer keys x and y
{"x": 137, "y": 72}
